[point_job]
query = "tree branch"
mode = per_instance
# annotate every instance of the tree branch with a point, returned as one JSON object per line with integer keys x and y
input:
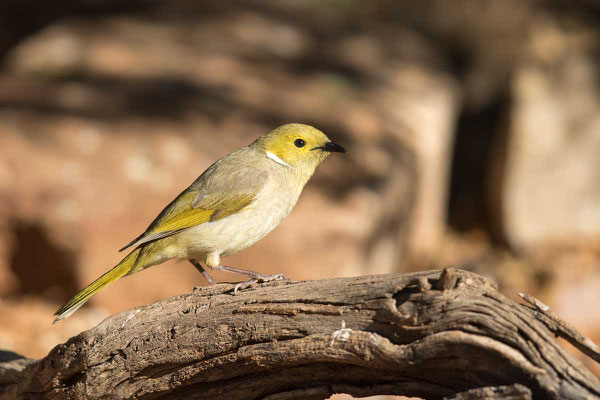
{"x": 409, "y": 334}
{"x": 562, "y": 328}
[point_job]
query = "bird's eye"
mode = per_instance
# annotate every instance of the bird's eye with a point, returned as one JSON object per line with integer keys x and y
{"x": 299, "y": 143}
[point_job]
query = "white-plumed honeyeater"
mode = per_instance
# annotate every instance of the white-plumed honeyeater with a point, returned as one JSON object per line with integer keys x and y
{"x": 232, "y": 205}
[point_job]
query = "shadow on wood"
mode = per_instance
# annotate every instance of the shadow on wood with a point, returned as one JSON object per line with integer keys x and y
{"x": 431, "y": 335}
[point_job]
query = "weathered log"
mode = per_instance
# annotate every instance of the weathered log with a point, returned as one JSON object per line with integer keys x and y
{"x": 417, "y": 334}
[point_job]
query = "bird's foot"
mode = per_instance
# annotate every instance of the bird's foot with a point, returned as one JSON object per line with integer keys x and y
{"x": 259, "y": 278}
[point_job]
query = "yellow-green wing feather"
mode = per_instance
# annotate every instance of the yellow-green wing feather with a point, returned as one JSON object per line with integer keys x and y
{"x": 220, "y": 191}
{"x": 206, "y": 212}
{"x": 183, "y": 214}
{"x": 223, "y": 189}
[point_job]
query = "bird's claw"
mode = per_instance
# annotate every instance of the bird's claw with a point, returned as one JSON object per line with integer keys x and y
{"x": 262, "y": 278}
{"x": 244, "y": 285}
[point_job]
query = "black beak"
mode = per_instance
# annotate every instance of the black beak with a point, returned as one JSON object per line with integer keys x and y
{"x": 331, "y": 147}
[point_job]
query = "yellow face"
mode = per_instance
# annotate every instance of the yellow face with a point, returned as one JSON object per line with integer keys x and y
{"x": 298, "y": 145}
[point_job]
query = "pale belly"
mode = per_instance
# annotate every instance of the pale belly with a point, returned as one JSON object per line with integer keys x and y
{"x": 233, "y": 233}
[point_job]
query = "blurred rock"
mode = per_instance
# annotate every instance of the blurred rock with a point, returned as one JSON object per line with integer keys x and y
{"x": 55, "y": 52}
{"x": 421, "y": 106}
{"x": 551, "y": 191}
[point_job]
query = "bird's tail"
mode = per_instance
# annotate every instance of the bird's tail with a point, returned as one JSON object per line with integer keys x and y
{"x": 121, "y": 269}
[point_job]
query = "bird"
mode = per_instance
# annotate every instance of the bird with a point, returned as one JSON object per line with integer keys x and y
{"x": 234, "y": 203}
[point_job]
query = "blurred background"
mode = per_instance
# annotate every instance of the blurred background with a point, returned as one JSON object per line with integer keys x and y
{"x": 472, "y": 129}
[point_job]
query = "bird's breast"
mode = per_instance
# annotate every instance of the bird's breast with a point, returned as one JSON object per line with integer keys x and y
{"x": 244, "y": 228}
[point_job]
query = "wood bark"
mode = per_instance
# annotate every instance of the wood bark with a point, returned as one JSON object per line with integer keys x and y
{"x": 433, "y": 335}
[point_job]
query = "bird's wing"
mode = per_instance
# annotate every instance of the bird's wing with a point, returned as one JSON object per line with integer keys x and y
{"x": 208, "y": 199}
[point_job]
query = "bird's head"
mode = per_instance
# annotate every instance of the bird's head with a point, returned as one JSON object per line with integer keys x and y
{"x": 298, "y": 147}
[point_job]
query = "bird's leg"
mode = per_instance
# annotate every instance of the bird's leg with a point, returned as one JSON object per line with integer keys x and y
{"x": 256, "y": 277}
{"x": 200, "y": 268}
